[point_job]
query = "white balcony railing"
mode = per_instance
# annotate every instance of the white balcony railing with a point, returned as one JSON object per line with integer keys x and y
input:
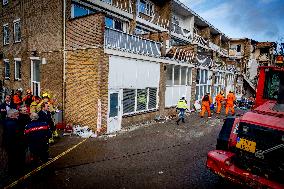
{"x": 214, "y": 47}
{"x": 224, "y": 52}
{"x": 197, "y": 39}
{"x": 181, "y": 32}
{"x": 119, "y": 6}
{"x": 130, "y": 43}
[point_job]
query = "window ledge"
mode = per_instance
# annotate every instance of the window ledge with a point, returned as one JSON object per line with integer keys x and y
{"x": 18, "y": 41}
{"x": 18, "y": 79}
{"x": 7, "y": 78}
{"x": 139, "y": 113}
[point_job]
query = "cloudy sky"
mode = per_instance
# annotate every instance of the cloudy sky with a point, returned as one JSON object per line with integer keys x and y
{"x": 262, "y": 20}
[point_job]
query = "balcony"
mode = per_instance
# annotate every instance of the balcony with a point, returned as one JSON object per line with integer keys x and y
{"x": 115, "y": 39}
{"x": 233, "y": 53}
{"x": 263, "y": 57}
{"x": 197, "y": 39}
{"x": 154, "y": 21}
{"x": 181, "y": 33}
{"x": 121, "y": 7}
{"x": 218, "y": 49}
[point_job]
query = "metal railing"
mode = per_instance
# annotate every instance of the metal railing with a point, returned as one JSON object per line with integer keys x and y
{"x": 199, "y": 40}
{"x": 120, "y": 4}
{"x": 130, "y": 43}
{"x": 179, "y": 30}
{"x": 214, "y": 47}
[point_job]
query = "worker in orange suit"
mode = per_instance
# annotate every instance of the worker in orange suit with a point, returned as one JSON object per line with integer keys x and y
{"x": 219, "y": 98}
{"x": 231, "y": 98}
{"x": 206, "y": 101}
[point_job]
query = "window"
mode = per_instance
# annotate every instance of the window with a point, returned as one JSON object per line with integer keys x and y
{"x": 146, "y": 7}
{"x": 17, "y": 30}
{"x": 203, "y": 85}
{"x": 113, "y": 23}
{"x": 35, "y": 74}
{"x": 7, "y": 69}
{"x": 189, "y": 76}
{"x": 139, "y": 100}
{"x": 169, "y": 75}
{"x": 6, "y": 34}
{"x": 238, "y": 48}
{"x": 183, "y": 75}
{"x": 5, "y": 2}
{"x": 177, "y": 75}
{"x": 17, "y": 69}
{"x": 77, "y": 11}
{"x": 152, "y": 98}
{"x": 129, "y": 100}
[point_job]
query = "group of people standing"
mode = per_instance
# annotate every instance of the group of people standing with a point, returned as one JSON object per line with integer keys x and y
{"x": 206, "y": 105}
{"x": 28, "y": 126}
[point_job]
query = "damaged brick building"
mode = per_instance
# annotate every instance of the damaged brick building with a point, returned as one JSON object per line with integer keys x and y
{"x": 113, "y": 63}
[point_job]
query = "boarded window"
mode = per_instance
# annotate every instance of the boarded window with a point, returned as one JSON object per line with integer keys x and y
{"x": 128, "y": 100}
{"x": 152, "y": 98}
{"x": 141, "y": 99}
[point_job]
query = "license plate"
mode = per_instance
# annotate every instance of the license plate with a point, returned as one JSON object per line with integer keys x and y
{"x": 246, "y": 145}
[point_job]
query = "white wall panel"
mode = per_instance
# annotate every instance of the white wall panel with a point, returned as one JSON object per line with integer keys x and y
{"x": 132, "y": 73}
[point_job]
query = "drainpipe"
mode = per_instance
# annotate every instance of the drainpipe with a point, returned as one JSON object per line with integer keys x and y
{"x": 64, "y": 61}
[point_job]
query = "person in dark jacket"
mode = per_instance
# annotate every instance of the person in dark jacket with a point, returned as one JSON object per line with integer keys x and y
{"x": 28, "y": 99}
{"x": 45, "y": 116}
{"x": 37, "y": 134}
{"x": 13, "y": 143}
{"x": 6, "y": 106}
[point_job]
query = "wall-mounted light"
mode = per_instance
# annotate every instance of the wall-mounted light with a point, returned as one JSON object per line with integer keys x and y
{"x": 34, "y": 53}
{"x": 43, "y": 61}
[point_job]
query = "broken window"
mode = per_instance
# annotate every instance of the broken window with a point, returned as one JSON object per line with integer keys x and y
{"x": 6, "y": 34}
{"x": 113, "y": 23}
{"x": 238, "y": 48}
{"x": 146, "y": 7}
{"x": 17, "y": 30}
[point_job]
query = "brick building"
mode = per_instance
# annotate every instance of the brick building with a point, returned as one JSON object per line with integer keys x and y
{"x": 112, "y": 63}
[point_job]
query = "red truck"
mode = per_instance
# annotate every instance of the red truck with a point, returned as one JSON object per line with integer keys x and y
{"x": 250, "y": 148}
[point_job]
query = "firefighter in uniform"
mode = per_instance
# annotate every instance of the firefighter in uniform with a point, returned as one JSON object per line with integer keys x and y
{"x": 206, "y": 101}
{"x": 231, "y": 98}
{"x": 219, "y": 98}
{"x": 181, "y": 106}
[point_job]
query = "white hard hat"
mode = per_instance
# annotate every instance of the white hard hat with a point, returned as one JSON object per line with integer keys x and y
{"x": 183, "y": 96}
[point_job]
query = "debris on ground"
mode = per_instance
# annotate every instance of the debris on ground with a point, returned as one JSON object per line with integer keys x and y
{"x": 84, "y": 132}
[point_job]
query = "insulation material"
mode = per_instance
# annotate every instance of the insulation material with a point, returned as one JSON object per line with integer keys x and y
{"x": 84, "y": 132}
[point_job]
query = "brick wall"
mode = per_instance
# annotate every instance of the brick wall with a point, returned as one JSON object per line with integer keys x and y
{"x": 86, "y": 71}
{"x": 41, "y": 31}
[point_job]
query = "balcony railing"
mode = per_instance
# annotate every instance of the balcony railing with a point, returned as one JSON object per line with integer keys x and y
{"x": 263, "y": 57}
{"x": 120, "y": 6}
{"x": 224, "y": 52}
{"x": 130, "y": 43}
{"x": 214, "y": 47}
{"x": 181, "y": 32}
{"x": 197, "y": 39}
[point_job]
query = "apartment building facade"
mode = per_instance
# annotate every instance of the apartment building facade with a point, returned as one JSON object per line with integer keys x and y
{"x": 113, "y": 63}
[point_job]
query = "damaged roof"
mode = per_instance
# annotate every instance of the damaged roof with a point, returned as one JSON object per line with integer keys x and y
{"x": 265, "y": 44}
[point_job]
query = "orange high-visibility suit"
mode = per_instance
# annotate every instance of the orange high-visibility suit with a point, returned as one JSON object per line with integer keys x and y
{"x": 230, "y": 103}
{"x": 206, "y": 101}
{"x": 219, "y": 98}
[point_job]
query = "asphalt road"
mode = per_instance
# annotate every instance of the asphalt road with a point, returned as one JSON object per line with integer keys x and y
{"x": 158, "y": 155}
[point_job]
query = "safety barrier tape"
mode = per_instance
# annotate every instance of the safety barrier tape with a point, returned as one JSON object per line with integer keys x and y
{"x": 43, "y": 165}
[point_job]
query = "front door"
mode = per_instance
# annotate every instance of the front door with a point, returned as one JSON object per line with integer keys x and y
{"x": 35, "y": 76}
{"x": 114, "y": 113}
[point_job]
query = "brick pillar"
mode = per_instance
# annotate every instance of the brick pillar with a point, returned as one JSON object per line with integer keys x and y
{"x": 193, "y": 86}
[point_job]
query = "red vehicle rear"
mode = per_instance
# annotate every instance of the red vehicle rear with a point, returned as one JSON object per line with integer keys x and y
{"x": 250, "y": 149}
